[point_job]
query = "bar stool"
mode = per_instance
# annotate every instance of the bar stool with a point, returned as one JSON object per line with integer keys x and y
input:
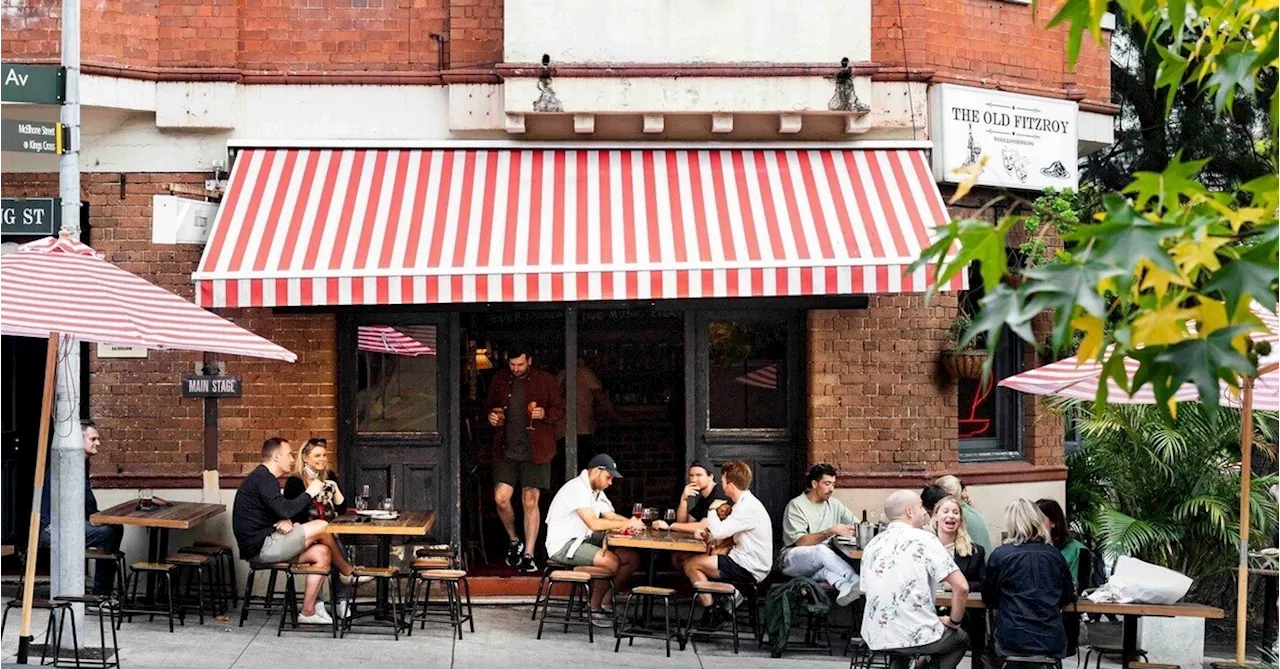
{"x": 224, "y": 571}
{"x": 164, "y": 570}
{"x": 862, "y": 655}
{"x": 454, "y": 583}
{"x": 292, "y": 602}
{"x": 62, "y": 611}
{"x": 720, "y": 593}
{"x": 600, "y": 578}
{"x": 265, "y": 602}
{"x": 96, "y": 556}
{"x": 541, "y": 597}
{"x": 395, "y": 596}
{"x": 625, "y": 626}
{"x": 885, "y": 658}
{"x": 750, "y": 591}
{"x": 579, "y": 593}
{"x": 105, "y": 607}
{"x": 1110, "y": 650}
{"x": 201, "y": 566}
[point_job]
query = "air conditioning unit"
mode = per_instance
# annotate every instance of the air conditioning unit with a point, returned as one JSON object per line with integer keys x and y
{"x": 176, "y": 220}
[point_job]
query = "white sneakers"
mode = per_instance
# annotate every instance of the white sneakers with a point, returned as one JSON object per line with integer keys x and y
{"x": 352, "y": 579}
{"x": 341, "y": 609}
{"x": 320, "y": 617}
{"x": 849, "y": 592}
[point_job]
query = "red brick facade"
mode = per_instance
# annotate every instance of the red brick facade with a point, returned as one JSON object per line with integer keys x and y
{"x": 148, "y": 429}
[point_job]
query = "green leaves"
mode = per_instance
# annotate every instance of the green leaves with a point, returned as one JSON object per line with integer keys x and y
{"x": 1202, "y": 362}
{"x": 970, "y": 240}
{"x": 1244, "y": 277}
{"x": 1234, "y": 71}
{"x": 1079, "y": 15}
{"x": 1167, "y": 188}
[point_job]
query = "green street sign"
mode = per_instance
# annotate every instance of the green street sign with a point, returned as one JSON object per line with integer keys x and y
{"x": 38, "y": 84}
{"x": 30, "y": 216}
{"x": 32, "y": 136}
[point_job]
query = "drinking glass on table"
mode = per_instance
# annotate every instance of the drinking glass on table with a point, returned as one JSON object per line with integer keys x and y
{"x": 650, "y": 515}
{"x": 387, "y": 505}
{"x": 145, "y": 499}
{"x": 637, "y": 511}
{"x": 669, "y": 516}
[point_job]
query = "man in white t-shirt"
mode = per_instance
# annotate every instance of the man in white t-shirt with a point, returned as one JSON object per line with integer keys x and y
{"x": 901, "y": 570}
{"x": 749, "y": 524}
{"x": 579, "y": 517}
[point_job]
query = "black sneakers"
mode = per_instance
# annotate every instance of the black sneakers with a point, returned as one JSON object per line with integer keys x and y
{"x": 527, "y": 564}
{"x": 515, "y": 553}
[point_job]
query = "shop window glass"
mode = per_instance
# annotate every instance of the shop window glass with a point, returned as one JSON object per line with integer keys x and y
{"x": 397, "y": 379}
{"x": 990, "y": 418}
{"x": 748, "y": 374}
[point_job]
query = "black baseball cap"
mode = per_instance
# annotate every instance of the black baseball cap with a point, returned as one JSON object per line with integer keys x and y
{"x": 605, "y": 462}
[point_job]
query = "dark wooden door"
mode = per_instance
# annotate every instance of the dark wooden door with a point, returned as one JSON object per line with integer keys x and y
{"x": 395, "y": 377}
{"x": 747, "y": 398}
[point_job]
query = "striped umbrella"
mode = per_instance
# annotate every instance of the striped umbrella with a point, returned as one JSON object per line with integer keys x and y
{"x": 59, "y": 285}
{"x": 389, "y": 340}
{"x": 62, "y": 290}
{"x": 1073, "y": 379}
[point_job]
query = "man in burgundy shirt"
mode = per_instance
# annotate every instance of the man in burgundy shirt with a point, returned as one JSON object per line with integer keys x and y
{"x": 524, "y": 406}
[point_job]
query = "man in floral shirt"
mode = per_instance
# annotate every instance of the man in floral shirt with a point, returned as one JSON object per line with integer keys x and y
{"x": 901, "y": 570}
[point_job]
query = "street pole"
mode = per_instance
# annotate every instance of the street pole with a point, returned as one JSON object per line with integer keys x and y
{"x": 68, "y": 475}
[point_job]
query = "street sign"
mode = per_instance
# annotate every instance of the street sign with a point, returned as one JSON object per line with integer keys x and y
{"x": 38, "y": 84}
{"x": 199, "y": 385}
{"x": 38, "y": 216}
{"x": 31, "y": 136}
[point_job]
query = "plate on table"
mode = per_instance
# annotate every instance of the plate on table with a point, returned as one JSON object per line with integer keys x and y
{"x": 847, "y": 541}
{"x": 379, "y": 514}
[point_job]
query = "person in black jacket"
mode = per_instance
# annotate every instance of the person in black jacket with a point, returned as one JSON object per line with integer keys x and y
{"x": 970, "y": 557}
{"x": 103, "y": 537}
{"x": 1027, "y": 583}
{"x": 261, "y": 522}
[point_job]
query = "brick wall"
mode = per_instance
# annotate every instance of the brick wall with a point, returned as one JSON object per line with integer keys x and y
{"x": 148, "y": 429}
{"x": 986, "y": 41}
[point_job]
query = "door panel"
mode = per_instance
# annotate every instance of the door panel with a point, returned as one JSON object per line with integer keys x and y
{"x": 395, "y": 415}
{"x": 748, "y": 402}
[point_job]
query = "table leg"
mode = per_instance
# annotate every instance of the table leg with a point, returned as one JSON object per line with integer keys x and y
{"x": 384, "y": 560}
{"x": 1270, "y": 603}
{"x": 1128, "y": 640}
{"x": 650, "y": 577}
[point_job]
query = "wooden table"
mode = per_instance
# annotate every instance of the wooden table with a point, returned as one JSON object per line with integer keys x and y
{"x": 654, "y": 541}
{"x": 158, "y": 521}
{"x": 410, "y": 523}
{"x": 1130, "y": 613}
{"x": 848, "y": 551}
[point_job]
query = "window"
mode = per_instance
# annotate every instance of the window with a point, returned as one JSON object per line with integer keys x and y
{"x": 747, "y": 374}
{"x": 396, "y": 389}
{"x": 990, "y": 419}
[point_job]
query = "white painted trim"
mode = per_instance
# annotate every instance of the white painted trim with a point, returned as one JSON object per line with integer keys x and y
{"x": 481, "y": 144}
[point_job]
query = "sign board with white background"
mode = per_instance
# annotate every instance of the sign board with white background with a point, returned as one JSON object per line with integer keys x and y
{"x": 118, "y": 351}
{"x": 176, "y": 220}
{"x": 1029, "y": 141}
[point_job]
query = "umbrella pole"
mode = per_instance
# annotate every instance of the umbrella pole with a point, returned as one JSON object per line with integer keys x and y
{"x": 1242, "y": 574}
{"x": 37, "y": 496}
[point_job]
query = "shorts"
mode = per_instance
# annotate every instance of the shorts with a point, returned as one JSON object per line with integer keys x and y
{"x": 522, "y": 473}
{"x": 732, "y": 572}
{"x": 279, "y": 547}
{"x": 585, "y": 555}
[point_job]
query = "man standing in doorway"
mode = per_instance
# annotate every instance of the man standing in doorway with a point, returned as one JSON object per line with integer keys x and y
{"x": 102, "y": 537}
{"x": 524, "y": 406}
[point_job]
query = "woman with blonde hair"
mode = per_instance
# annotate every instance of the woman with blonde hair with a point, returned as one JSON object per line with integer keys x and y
{"x": 312, "y": 464}
{"x": 1027, "y": 583}
{"x": 970, "y": 558}
{"x": 972, "y": 519}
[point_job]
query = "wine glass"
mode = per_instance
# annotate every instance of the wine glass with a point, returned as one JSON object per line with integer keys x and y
{"x": 531, "y": 407}
{"x": 669, "y": 516}
{"x": 637, "y": 511}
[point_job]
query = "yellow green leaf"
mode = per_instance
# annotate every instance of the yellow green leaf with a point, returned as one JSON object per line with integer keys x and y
{"x": 970, "y": 174}
{"x": 1191, "y": 255}
{"x": 1091, "y": 346}
{"x": 1213, "y": 317}
{"x": 1166, "y": 325}
{"x": 1159, "y": 279}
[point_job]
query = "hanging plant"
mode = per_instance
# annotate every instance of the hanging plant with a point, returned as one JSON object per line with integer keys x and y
{"x": 963, "y": 362}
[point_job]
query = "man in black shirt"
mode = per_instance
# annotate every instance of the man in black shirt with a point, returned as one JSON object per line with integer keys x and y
{"x": 692, "y": 516}
{"x": 103, "y": 537}
{"x": 264, "y": 532}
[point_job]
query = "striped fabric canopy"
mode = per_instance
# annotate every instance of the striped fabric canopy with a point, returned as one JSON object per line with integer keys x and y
{"x": 60, "y": 285}
{"x": 302, "y": 227}
{"x": 1072, "y": 379}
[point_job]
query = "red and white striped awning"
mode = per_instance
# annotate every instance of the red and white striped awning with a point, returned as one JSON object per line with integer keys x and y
{"x": 319, "y": 227}
{"x": 60, "y": 285}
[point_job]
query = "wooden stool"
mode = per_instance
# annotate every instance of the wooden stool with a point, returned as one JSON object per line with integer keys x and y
{"x": 116, "y": 558}
{"x": 394, "y": 595}
{"x": 106, "y": 608}
{"x": 424, "y": 563}
{"x": 720, "y": 593}
{"x": 201, "y": 566}
{"x": 600, "y": 578}
{"x": 16, "y": 602}
{"x": 750, "y": 591}
{"x": 863, "y": 656}
{"x": 625, "y": 627}
{"x": 62, "y": 611}
{"x": 224, "y": 572}
{"x": 292, "y": 604}
{"x": 885, "y": 658}
{"x": 164, "y": 570}
{"x": 1151, "y": 665}
{"x": 454, "y": 582}
{"x": 264, "y": 603}
{"x": 579, "y": 583}
{"x": 541, "y": 597}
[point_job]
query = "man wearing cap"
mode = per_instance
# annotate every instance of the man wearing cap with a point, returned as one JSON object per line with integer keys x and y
{"x": 579, "y": 517}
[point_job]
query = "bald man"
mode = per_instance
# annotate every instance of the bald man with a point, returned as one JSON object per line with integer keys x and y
{"x": 901, "y": 570}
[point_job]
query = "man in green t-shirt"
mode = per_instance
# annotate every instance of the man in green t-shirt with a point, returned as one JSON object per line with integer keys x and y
{"x": 811, "y": 520}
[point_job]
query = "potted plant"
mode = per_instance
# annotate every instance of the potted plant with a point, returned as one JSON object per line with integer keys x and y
{"x": 966, "y": 362}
